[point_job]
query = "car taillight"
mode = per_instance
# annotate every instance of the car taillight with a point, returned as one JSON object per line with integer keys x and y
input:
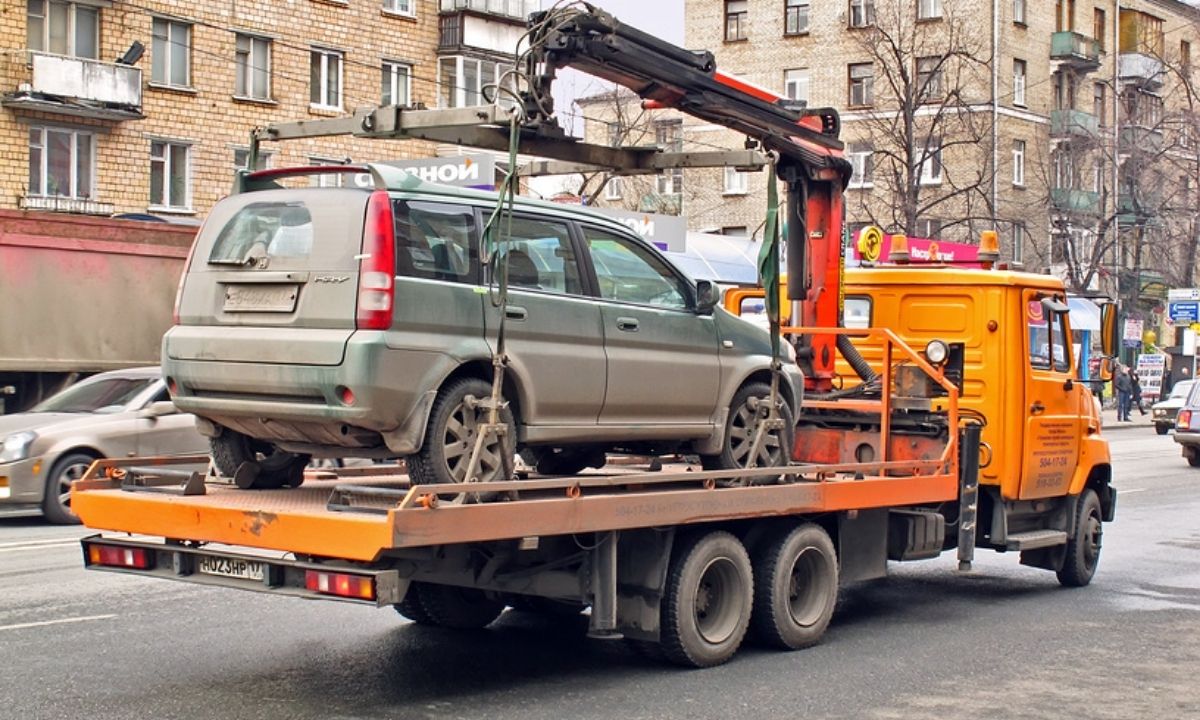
{"x": 359, "y": 587}
{"x": 1183, "y": 419}
{"x": 139, "y": 558}
{"x": 376, "y": 274}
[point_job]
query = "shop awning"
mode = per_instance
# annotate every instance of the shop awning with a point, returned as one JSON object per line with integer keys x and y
{"x": 1085, "y": 314}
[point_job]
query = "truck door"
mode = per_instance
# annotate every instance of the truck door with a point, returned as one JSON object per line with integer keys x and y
{"x": 1052, "y": 397}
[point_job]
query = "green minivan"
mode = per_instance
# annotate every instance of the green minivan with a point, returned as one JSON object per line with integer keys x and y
{"x": 361, "y": 320}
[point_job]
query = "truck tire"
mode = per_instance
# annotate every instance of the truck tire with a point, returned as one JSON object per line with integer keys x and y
{"x": 708, "y": 600}
{"x": 1083, "y": 550}
{"x": 56, "y": 502}
{"x": 450, "y": 437}
{"x": 459, "y": 608}
{"x": 795, "y": 587}
{"x": 275, "y": 468}
{"x": 411, "y": 606}
{"x": 735, "y": 449}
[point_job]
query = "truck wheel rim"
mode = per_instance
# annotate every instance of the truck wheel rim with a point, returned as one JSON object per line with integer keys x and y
{"x": 69, "y": 474}
{"x": 808, "y": 587}
{"x": 1093, "y": 534}
{"x": 717, "y": 606}
{"x": 459, "y": 442}
{"x": 741, "y": 436}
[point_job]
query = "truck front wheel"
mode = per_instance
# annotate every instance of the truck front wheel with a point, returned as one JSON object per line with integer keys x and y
{"x": 795, "y": 587}
{"x": 1083, "y": 550}
{"x": 709, "y": 595}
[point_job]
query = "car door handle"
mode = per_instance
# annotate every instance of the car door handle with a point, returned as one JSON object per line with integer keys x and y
{"x": 627, "y": 324}
{"x": 514, "y": 312}
{"x": 1037, "y": 408}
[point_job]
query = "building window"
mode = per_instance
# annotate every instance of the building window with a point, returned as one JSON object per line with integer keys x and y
{"x": 1019, "y": 82}
{"x": 929, "y": 78}
{"x": 1018, "y": 242}
{"x": 325, "y": 76}
{"x": 1098, "y": 103}
{"x": 172, "y": 48}
{"x": 328, "y": 179}
{"x": 400, "y": 7}
{"x": 737, "y": 19}
{"x": 929, "y": 9}
{"x": 397, "y": 84}
{"x": 735, "y": 231}
{"x": 63, "y": 28}
{"x": 241, "y": 159}
{"x": 1019, "y": 12}
{"x": 1064, "y": 170}
{"x": 928, "y": 228}
{"x": 862, "y": 13}
{"x": 796, "y": 84}
{"x": 253, "y": 66}
{"x": 1018, "y": 161}
{"x": 61, "y": 162}
{"x": 461, "y": 80}
{"x": 735, "y": 182}
{"x": 862, "y": 84}
{"x": 795, "y": 17}
{"x": 931, "y": 162}
{"x": 169, "y": 175}
{"x": 612, "y": 189}
{"x": 669, "y": 136}
{"x": 861, "y": 158}
{"x": 1099, "y": 30}
{"x": 1185, "y": 56}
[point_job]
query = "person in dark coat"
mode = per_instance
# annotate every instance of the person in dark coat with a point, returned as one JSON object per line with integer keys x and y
{"x": 1124, "y": 387}
{"x": 1137, "y": 392}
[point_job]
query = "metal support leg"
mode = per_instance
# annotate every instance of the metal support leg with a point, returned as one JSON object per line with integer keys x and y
{"x": 968, "y": 495}
{"x": 603, "y": 623}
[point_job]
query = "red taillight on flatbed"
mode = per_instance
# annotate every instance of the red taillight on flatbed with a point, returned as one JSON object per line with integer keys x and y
{"x": 376, "y": 274}
{"x": 359, "y": 587}
{"x": 138, "y": 558}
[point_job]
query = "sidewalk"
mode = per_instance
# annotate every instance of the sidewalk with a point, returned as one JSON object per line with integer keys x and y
{"x": 1136, "y": 420}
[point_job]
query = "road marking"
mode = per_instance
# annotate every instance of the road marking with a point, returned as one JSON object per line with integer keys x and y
{"x": 44, "y": 546}
{"x": 1123, "y": 491}
{"x": 48, "y": 541}
{"x": 85, "y": 618}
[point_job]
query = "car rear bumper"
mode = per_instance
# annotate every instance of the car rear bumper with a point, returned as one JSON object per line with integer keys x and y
{"x": 1187, "y": 439}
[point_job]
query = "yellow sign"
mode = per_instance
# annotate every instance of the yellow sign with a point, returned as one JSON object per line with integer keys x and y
{"x": 870, "y": 243}
{"x": 1196, "y": 327}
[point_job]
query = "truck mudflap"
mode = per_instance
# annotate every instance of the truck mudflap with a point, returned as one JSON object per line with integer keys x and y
{"x": 244, "y": 571}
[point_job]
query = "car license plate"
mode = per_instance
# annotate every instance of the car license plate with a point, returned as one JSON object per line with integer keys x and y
{"x": 260, "y": 298}
{"x": 232, "y": 567}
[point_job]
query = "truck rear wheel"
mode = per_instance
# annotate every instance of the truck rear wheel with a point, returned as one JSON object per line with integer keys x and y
{"x": 708, "y": 600}
{"x": 795, "y": 587}
{"x": 748, "y": 402}
{"x": 458, "y": 607}
{"x": 450, "y": 438}
{"x": 275, "y": 468}
{"x": 411, "y": 606}
{"x": 1083, "y": 550}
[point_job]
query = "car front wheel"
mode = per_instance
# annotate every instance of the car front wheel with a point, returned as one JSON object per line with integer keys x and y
{"x": 56, "y": 504}
{"x": 748, "y": 407}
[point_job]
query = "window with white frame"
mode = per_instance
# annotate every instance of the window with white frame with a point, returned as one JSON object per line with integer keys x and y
{"x": 61, "y": 162}
{"x": 736, "y": 183}
{"x": 241, "y": 159}
{"x": 172, "y": 50}
{"x": 1018, "y": 162}
{"x": 401, "y": 7}
{"x": 327, "y": 179}
{"x": 1018, "y": 242}
{"x": 461, "y": 80}
{"x": 170, "y": 175}
{"x": 397, "y": 83}
{"x": 796, "y": 84}
{"x": 931, "y": 162}
{"x": 669, "y": 136}
{"x": 861, "y": 159}
{"x": 862, "y": 13}
{"x": 1064, "y": 169}
{"x": 929, "y": 9}
{"x": 862, "y": 83}
{"x": 928, "y": 228}
{"x": 1019, "y": 82}
{"x": 325, "y": 76}
{"x": 1019, "y": 11}
{"x": 252, "y": 65}
{"x": 737, "y": 19}
{"x": 929, "y": 78}
{"x": 63, "y": 28}
{"x": 795, "y": 16}
{"x": 612, "y": 189}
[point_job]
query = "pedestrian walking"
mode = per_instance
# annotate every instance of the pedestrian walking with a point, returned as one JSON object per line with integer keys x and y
{"x": 1137, "y": 392}
{"x": 1124, "y": 387}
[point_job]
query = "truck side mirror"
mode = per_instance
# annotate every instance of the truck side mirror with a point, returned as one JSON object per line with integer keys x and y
{"x": 707, "y": 296}
{"x": 1108, "y": 328}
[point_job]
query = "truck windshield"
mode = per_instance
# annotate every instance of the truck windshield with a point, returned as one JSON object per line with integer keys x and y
{"x": 90, "y": 396}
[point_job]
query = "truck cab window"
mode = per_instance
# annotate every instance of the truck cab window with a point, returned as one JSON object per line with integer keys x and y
{"x": 1047, "y": 338}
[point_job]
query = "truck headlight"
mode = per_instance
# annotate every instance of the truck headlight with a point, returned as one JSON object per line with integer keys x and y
{"x": 16, "y": 446}
{"x": 936, "y": 352}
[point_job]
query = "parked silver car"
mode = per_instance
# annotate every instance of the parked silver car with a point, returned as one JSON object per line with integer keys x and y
{"x": 1164, "y": 411}
{"x": 343, "y": 321}
{"x": 113, "y": 414}
{"x": 1187, "y": 426}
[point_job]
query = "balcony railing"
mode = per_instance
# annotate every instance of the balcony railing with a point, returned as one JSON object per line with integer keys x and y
{"x": 78, "y": 86}
{"x": 519, "y": 9}
{"x": 1073, "y": 123}
{"x": 1142, "y": 69}
{"x": 1078, "y": 51}
{"x": 1140, "y": 137}
{"x": 1074, "y": 201}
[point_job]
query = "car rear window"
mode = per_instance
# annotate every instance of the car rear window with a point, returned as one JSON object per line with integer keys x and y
{"x": 436, "y": 241}
{"x": 264, "y": 229}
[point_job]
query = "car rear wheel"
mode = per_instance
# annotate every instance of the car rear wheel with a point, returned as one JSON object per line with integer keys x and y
{"x": 749, "y": 404}
{"x": 56, "y": 504}
{"x": 454, "y": 424}
{"x": 268, "y": 467}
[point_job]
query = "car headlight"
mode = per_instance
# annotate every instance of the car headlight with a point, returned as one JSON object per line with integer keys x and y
{"x": 16, "y": 446}
{"x": 936, "y": 352}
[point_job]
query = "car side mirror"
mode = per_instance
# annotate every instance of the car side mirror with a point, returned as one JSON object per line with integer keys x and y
{"x": 707, "y": 296}
{"x": 158, "y": 409}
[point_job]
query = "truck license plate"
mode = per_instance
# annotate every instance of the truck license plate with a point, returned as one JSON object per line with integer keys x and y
{"x": 232, "y": 567}
{"x": 260, "y": 298}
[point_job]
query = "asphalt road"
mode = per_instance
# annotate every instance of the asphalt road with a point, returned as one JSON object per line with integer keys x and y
{"x": 1002, "y": 642}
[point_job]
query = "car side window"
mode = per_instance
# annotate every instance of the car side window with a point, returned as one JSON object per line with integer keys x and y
{"x": 436, "y": 241}
{"x": 541, "y": 257}
{"x": 628, "y": 272}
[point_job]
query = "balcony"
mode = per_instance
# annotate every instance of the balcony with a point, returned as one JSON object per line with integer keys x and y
{"x": 1070, "y": 200}
{"x": 1075, "y": 50}
{"x": 494, "y": 27}
{"x": 79, "y": 87}
{"x": 516, "y": 9}
{"x": 1141, "y": 207}
{"x": 1073, "y": 124}
{"x": 1138, "y": 138}
{"x": 1143, "y": 70}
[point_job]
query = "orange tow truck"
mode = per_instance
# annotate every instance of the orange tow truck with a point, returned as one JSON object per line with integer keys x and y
{"x": 684, "y": 563}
